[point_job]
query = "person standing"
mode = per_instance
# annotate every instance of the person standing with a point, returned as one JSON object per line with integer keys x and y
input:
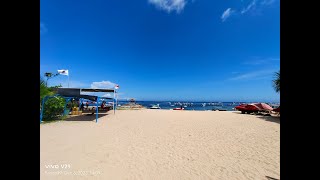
{"x": 81, "y": 107}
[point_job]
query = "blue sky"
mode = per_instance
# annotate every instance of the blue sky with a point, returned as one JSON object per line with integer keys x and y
{"x": 200, "y": 50}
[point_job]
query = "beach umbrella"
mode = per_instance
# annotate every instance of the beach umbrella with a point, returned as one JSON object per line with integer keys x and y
{"x": 263, "y": 106}
{"x": 247, "y": 107}
{"x": 252, "y": 107}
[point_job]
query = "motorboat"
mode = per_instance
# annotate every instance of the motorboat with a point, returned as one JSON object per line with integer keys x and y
{"x": 155, "y": 106}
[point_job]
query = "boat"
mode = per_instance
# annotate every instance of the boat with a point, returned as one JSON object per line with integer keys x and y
{"x": 155, "y": 106}
{"x": 180, "y": 108}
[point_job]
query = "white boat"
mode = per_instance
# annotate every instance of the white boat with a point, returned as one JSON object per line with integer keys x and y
{"x": 155, "y": 106}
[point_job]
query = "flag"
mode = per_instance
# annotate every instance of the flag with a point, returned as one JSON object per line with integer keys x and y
{"x": 63, "y": 72}
{"x": 116, "y": 87}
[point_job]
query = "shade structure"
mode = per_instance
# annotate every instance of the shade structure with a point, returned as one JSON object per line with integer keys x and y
{"x": 97, "y": 90}
{"x": 263, "y": 106}
{"x": 69, "y": 93}
{"x": 247, "y": 107}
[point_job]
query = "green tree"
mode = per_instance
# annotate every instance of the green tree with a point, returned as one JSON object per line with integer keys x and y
{"x": 53, "y": 108}
{"x": 49, "y": 75}
{"x": 276, "y": 82}
{"x": 44, "y": 90}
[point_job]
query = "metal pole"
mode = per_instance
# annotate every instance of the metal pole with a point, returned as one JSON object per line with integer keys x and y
{"x": 97, "y": 110}
{"x": 68, "y": 80}
{"x": 42, "y": 107}
{"x": 67, "y": 101}
{"x": 114, "y": 97}
{"x": 79, "y": 103}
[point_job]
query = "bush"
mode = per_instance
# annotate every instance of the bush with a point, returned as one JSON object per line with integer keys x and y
{"x": 53, "y": 108}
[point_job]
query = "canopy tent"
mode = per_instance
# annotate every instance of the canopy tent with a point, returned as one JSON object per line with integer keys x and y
{"x": 75, "y": 93}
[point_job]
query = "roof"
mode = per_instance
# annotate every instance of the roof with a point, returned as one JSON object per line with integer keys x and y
{"x": 97, "y": 90}
{"x": 76, "y": 92}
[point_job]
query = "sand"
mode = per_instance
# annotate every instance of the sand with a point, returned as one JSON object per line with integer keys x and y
{"x": 161, "y": 144}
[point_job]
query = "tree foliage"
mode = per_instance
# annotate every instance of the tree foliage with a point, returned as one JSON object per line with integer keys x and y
{"x": 276, "y": 82}
{"x": 53, "y": 107}
{"x": 44, "y": 90}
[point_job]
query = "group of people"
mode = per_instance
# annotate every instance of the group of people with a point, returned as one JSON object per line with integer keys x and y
{"x": 82, "y": 106}
{"x": 103, "y": 105}
{"x": 85, "y": 105}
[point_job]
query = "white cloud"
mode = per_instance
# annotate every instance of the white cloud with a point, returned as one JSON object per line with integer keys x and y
{"x": 120, "y": 95}
{"x": 169, "y": 5}
{"x": 254, "y": 75}
{"x": 227, "y": 13}
{"x": 255, "y": 6}
{"x": 89, "y": 93}
{"x": 252, "y": 5}
{"x": 102, "y": 85}
{"x": 107, "y": 95}
{"x": 43, "y": 28}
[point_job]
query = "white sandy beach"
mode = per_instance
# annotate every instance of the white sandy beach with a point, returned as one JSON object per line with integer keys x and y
{"x": 162, "y": 144}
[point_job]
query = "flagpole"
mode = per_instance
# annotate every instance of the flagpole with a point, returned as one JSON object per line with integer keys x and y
{"x": 68, "y": 80}
{"x": 117, "y": 100}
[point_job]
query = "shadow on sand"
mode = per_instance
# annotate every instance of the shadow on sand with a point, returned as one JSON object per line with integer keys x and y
{"x": 271, "y": 178}
{"x": 275, "y": 119}
{"x": 266, "y": 117}
{"x": 85, "y": 117}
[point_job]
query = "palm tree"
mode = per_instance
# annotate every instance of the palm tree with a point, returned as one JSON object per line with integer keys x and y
{"x": 276, "y": 82}
{"x": 44, "y": 90}
{"x": 49, "y": 75}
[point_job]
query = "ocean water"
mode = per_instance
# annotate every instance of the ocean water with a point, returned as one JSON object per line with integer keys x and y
{"x": 198, "y": 106}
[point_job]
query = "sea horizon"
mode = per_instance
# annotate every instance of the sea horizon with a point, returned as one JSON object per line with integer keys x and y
{"x": 199, "y": 101}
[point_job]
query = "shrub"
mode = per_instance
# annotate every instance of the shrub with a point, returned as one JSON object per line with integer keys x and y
{"x": 53, "y": 108}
